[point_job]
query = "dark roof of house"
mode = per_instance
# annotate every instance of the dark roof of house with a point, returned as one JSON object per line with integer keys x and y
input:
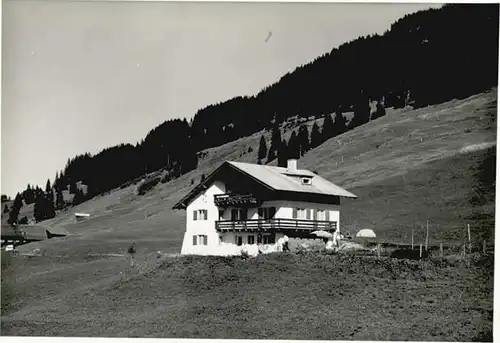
{"x": 275, "y": 179}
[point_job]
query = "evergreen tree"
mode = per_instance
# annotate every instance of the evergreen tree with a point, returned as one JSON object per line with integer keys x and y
{"x": 59, "y": 200}
{"x": 361, "y": 111}
{"x": 316, "y": 138}
{"x": 39, "y": 208}
{"x": 339, "y": 126}
{"x": 262, "y": 148}
{"x": 5, "y": 209}
{"x": 328, "y": 128}
{"x": 15, "y": 209}
{"x": 79, "y": 197}
{"x": 275, "y": 142}
{"x": 73, "y": 188}
{"x": 48, "y": 187}
{"x": 13, "y": 215}
{"x": 303, "y": 140}
{"x": 18, "y": 201}
{"x": 282, "y": 154}
{"x": 293, "y": 146}
{"x": 380, "y": 111}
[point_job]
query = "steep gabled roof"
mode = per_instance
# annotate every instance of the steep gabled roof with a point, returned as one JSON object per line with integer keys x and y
{"x": 279, "y": 179}
{"x": 275, "y": 179}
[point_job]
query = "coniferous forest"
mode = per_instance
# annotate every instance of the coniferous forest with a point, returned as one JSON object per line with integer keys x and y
{"x": 424, "y": 58}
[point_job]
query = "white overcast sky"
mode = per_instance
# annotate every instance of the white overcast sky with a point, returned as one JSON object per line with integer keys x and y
{"x": 81, "y": 76}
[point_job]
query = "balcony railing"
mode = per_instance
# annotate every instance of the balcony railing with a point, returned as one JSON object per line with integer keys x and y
{"x": 273, "y": 225}
{"x": 235, "y": 199}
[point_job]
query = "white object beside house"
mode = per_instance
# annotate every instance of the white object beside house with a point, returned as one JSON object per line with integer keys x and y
{"x": 366, "y": 233}
{"x": 243, "y": 206}
{"x": 81, "y": 216}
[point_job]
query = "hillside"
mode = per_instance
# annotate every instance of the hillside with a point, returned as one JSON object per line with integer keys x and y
{"x": 423, "y": 59}
{"x": 385, "y": 164}
{"x": 407, "y": 167}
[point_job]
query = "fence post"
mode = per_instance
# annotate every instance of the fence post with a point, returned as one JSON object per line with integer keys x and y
{"x": 420, "y": 250}
{"x": 470, "y": 244}
{"x": 412, "y": 239}
{"x": 441, "y": 250}
{"x": 427, "y": 236}
{"x": 484, "y": 247}
{"x": 378, "y": 250}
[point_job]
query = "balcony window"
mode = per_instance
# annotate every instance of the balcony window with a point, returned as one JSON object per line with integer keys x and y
{"x": 299, "y": 213}
{"x": 238, "y": 214}
{"x": 321, "y": 215}
{"x": 266, "y": 212}
{"x": 251, "y": 239}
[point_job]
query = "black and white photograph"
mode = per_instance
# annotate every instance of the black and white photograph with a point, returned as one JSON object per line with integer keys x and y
{"x": 310, "y": 171}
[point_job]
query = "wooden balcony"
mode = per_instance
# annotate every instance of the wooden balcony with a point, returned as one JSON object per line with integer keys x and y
{"x": 275, "y": 225}
{"x": 235, "y": 200}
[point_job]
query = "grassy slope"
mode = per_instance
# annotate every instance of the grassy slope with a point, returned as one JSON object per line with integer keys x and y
{"x": 67, "y": 283}
{"x": 297, "y": 297}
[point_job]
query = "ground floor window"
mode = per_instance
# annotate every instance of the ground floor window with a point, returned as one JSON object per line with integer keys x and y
{"x": 268, "y": 239}
{"x": 238, "y": 240}
{"x": 200, "y": 240}
{"x": 251, "y": 239}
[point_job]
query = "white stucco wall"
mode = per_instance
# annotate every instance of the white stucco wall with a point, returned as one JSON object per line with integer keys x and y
{"x": 205, "y": 201}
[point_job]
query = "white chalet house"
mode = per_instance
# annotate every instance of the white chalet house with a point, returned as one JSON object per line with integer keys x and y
{"x": 251, "y": 206}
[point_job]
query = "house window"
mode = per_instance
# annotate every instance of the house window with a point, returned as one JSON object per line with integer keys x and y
{"x": 221, "y": 214}
{"x": 321, "y": 215}
{"x": 268, "y": 239}
{"x": 306, "y": 181}
{"x": 200, "y": 240}
{"x": 238, "y": 214}
{"x": 200, "y": 215}
{"x": 203, "y": 239}
{"x": 238, "y": 240}
{"x": 299, "y": 213}
{"x": 251, "y": 239}
{"x": 266, "y": 212}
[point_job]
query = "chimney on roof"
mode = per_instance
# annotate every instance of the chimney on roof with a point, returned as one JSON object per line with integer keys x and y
{"x": 291, "y": 166}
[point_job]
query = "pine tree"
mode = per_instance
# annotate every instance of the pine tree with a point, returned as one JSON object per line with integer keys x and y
{"x": 303, "y": 140}
{"x": 79, "y": 197}
{"x": 262, "y": 148}
{"x": 275, "y": 142}
{"x": 72, "y": 188}
{"x": 13, "y": 216}
{"x": 48, "y": 187}
{"x": 293, "y": 146}
{"x": 328, "y": 128}
{"x": 18, "y": 201}
{"x": 339, "y": 126}
{"x": 282, "y": 154}
{"x": 59, "y": 199}
{"x": 15, "y": 209}
{"x": 38, "y": 210}
{"x": 361, "y": 111}
{"x": 5, "y": 209}
{"x": 316, "y": 138}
